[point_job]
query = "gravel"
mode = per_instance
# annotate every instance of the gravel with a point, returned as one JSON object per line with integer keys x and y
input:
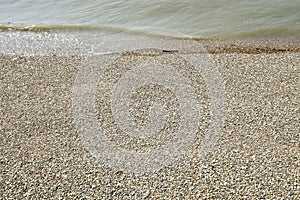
{"x": 257, "y": 154}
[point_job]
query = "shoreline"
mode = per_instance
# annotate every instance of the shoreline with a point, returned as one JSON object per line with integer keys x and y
{"x": 253, "y": 45}
{"x": 248, "y": 45}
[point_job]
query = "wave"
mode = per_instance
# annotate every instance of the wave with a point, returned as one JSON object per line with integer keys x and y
{"x": 158, "y": 32}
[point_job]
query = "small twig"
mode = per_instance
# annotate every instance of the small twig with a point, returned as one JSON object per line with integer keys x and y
{"x": 169, "y": 51}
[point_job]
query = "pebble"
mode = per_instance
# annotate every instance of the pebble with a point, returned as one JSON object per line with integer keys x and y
{"x": 257, "y": 155}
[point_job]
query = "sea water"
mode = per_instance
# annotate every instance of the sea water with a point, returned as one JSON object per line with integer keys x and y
{"x": 189, "y": 18}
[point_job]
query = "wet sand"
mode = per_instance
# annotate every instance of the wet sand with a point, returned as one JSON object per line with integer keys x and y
{"x": 256, "y": 156}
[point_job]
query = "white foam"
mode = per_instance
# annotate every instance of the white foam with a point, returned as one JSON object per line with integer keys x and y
{"x": 41, "y": 44}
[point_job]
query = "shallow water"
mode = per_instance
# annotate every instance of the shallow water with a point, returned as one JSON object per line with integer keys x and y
{"x": 191, "y": 18}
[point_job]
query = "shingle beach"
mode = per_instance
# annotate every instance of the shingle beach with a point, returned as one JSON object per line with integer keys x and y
{"x": 257, "y": 155}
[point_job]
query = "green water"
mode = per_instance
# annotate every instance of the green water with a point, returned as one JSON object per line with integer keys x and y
{"x": 192, "y": 18}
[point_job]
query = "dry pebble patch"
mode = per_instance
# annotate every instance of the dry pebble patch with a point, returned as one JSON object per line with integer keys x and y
{"x": 257, "y": 155}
